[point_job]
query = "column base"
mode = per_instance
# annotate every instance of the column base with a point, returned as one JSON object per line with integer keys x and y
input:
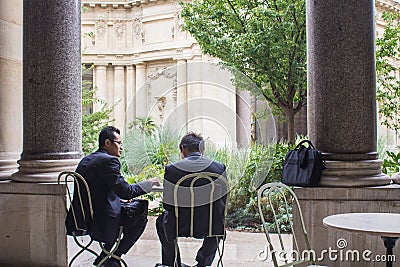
{"x": 43, "y": 171}
{"x": 8, "y": 165}
{"x": 354, "y": 174}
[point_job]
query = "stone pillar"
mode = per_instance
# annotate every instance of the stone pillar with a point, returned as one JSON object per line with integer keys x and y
{"x": 195, "y": 94}
{"x": 341, "y": 91}
{"x": 181, "y": 95}
{"x": 130, "y": 91}
{"x": 119, "y": 96}
{"x": 141, "y": 92}
{"x": 101, "y": 85}
{"x": 51, "y": 89}
{"x": 10, "y": 86}
{"x": 243, "y": 118}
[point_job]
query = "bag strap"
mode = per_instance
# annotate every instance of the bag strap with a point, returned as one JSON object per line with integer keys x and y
{"x": 305, "y": 141}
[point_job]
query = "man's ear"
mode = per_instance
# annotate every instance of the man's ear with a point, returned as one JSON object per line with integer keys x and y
{"x": 107, "y": 142}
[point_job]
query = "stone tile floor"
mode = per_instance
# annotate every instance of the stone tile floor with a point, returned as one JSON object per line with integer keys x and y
{"x": 241, "y": 249}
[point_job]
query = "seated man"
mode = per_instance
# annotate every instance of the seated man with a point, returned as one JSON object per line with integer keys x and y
{"x": 191, "y": 147}
{"x": 101, "y": 170}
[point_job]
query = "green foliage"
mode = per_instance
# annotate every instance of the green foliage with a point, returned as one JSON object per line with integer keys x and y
{"x": 388, "y": 86}
{"x": 144, "y": 148}
{"x": 92, "y": 122}
{"x": 265, "y": 40}
{"x": 391, "y": 163}
{"x": 242, "y": 207}
{"x": 147, "y": 173}
{"x": 146, "y": 125}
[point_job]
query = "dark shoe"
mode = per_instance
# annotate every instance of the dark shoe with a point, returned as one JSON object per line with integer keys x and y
{"x": 98, "y": 259}
{"x": 112, "y": 263}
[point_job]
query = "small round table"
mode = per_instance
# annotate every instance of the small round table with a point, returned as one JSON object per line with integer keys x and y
{"x": 386, "y": 225}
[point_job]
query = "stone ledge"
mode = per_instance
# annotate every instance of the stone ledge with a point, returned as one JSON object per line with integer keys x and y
{"x": 389, "y": 192}
{"x": 10, "y": 187}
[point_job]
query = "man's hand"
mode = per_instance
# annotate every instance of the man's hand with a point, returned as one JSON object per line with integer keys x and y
{"x": 155, "y": 181}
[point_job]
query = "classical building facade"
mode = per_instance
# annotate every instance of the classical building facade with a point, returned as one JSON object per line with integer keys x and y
{"x": 131, "y": 42}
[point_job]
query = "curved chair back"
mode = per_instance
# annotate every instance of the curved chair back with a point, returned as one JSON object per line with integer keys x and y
{"x": 199, "y": 191}
{"x": 271, "y": 193}
{"x": 80, "y": 216}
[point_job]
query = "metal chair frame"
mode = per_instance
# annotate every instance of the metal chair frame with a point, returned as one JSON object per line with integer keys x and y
{"x": 76, "y": 178}
{"x": 194, "y": 177}
{"x": 271, "y": 189}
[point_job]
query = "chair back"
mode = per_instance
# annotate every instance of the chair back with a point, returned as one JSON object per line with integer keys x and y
{"x": 277, "y": 198}
{"x": 80, "y": 214}
{"x": 200, "y": 192}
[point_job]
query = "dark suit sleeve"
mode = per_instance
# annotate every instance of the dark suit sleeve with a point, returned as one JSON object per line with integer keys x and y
{"x": 117, "y": 183}
{"x": 168, "y": 194}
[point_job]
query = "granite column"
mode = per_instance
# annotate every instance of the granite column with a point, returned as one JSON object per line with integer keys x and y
{"x": 51, "y": 89}
{"x": 341, "y": 91}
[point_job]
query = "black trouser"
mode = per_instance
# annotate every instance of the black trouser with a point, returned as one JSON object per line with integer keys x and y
{"x": 205, "y": 255}
{"x": 131, "y": 233}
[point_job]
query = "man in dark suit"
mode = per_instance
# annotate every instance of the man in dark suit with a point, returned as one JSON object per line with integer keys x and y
{"x": 193, "y": 162}
{"x": 101, "y": 170}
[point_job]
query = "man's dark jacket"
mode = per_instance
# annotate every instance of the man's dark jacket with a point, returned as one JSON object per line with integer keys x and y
{"x": 102, "y": 173}
{"x": 193, "y": 163}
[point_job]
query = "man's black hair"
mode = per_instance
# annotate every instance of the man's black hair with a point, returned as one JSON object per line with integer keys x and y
{"x": 107, "y": 133}
{"x": 192, "y": 142}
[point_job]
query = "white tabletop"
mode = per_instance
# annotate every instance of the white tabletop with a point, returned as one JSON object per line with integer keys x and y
{"x": 383, "y": 224}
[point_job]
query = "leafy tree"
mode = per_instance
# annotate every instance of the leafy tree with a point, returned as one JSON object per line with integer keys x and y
{"x": 264, "y": 39}
{"x": 388, "y": 85}
{"x": 92, "y": 122}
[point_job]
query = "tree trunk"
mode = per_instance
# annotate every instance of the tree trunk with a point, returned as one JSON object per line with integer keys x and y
{"x": 290, "y": 124}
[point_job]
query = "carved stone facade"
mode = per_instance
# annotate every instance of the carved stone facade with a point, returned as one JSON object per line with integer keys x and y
{"x": 136, "y": 47}
{"x": 126, "y": 33}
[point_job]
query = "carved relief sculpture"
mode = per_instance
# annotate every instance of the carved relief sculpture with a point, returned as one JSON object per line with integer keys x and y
{"x": 161, "y": 102}
{"x": 119, "y": 29}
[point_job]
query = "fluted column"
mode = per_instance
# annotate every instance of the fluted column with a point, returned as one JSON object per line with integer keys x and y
{"x": 141, "y": 93}
{"x": 341, "y": 90}
{"x": 243, "y": 118}
{"x": 10, "y": 87}
{"x": 100, "y": 83}
{"x": 119, "y": 96}
{"x": 129, "y": 92}
{"x": 195, "y": 94}
{"x": 181, "y": 95}
{"x": 51, "y": 89}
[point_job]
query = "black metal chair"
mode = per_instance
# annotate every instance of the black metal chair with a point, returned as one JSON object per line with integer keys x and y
{"x": 79, "y": 214}
{"x": 214, "y": 186}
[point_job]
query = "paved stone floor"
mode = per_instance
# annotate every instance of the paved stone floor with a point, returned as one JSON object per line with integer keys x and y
{"x": 241, "y": 250}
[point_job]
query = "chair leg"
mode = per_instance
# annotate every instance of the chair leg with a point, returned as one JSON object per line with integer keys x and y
{"x": 110, "y": 254}
{"x": 83, "y": 248}
{"x": 221, "y": 253}
{"x": 176, "y": 252}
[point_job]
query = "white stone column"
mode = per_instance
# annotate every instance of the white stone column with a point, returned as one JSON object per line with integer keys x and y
{"x": 100, "y": 82}
{"x": 181, "y": 95}
{"x": 141, "y": 92}
{"x": 195, "y": 94}
{"x": 119, "y": 96}
{"x": 10, "y": 87}
{"x": 130, "y": 92}
{"x": 243, "y": 118}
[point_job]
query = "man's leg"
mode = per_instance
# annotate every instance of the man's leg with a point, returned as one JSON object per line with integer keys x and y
{"x": 131, "y": 234}
{"x": 206, "y": 253}
{"x": 167, "y": 248}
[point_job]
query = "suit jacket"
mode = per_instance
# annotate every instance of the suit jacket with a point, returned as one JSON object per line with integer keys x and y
{"x": 102, "y": 173}
{"x": 193, "y": 163}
